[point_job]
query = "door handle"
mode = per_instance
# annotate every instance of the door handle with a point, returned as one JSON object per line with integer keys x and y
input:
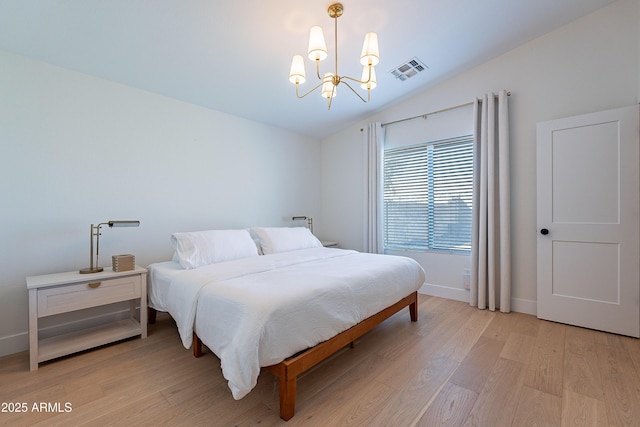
{"x": 544, "y": 231}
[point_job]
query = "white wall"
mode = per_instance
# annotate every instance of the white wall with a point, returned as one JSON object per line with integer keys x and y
{"x": 588, "y": 65}
{"x": 76, "y": 150}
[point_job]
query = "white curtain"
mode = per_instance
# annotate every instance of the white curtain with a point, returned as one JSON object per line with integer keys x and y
{"x": 374, "y": 143}
{"x": 491, "y": 240}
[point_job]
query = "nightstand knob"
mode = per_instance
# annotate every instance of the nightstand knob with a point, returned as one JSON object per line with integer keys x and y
{"x": 94, "y": 284}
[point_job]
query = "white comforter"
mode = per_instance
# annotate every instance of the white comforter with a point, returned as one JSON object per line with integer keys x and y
{"x": 258, "y": 311}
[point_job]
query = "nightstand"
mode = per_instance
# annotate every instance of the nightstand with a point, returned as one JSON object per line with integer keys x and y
{"x": 329, "y": 243}
{"x": 52, "y": 294}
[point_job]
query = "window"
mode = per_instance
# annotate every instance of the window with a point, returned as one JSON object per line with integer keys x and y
{"x": 428, "y": 196}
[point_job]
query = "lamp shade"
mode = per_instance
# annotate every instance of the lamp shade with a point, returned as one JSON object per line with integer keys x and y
{"x": 328, "y": 88}
{"x": 131, "y": 223}
{"x": 370, "y": 54}
{"x": 297, "y": 72}
{"x": 370, "y": 80}
{"x": 317, "y": 45}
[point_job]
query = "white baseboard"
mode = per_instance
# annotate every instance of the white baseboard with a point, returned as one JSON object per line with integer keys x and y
{"x": 517, "y": 305}
{"x": 14, "y": 344}
{"x": 445, "y": 292}
{"x": 20, "y": 342}
{"x": 524, "y": 306}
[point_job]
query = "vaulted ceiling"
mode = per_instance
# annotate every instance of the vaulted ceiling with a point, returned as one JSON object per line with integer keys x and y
{"x": 234, "y": 56}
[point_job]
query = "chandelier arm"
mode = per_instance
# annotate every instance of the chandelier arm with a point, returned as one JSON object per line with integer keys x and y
{"x": 318, "y": 69}
{"x": 356, "y": 80}
{"x": 354, "y": 91}
{"x": 311, "y": 90}
{"x": 333, "y": 91}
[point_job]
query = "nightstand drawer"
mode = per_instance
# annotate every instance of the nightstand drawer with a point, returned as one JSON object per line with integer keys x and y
{"x": 61, "y": 299}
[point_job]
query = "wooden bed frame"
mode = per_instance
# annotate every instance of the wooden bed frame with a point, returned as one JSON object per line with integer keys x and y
{"x": 288, "y": 370}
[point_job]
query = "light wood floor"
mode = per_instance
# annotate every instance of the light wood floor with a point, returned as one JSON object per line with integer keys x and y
{"x": 456, "y": 366}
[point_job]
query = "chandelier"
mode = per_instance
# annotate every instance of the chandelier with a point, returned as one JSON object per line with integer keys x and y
{"x": 329, "y": 81}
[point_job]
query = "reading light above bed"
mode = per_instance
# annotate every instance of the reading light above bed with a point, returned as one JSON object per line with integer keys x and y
{"x": 94, "y": 231}
{"x": 330, "y": 81}
{"x": 309, "y": 221}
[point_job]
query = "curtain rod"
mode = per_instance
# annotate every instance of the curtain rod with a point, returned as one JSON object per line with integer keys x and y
{"x": 424, "y": 116}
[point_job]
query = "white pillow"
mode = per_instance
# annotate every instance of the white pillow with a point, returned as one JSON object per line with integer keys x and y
{"x": 198, "y": 248}
{"x": 284, "y": 239}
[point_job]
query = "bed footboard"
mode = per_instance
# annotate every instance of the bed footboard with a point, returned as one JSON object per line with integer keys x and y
{"x": 288, "y": 370}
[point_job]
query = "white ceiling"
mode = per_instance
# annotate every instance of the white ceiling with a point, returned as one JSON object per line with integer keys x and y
{"x": 234, "y": 56}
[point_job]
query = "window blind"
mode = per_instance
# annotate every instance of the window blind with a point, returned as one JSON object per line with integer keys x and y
{"x": 427, "y": 196}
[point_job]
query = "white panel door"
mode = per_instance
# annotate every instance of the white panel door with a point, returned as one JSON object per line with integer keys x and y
{"x": 589, "y": 221}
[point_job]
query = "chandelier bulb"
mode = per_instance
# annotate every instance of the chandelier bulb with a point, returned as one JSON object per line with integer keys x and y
{"x": 368, "y": 78}
{"x": 370, "y": 54}
{"x": 317, "y": 47}
{"x": 328, "y": 87}
{"x": 297, "y": 73}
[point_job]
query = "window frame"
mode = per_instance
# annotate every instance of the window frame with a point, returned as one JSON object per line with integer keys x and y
{"x": 433, "y": 220}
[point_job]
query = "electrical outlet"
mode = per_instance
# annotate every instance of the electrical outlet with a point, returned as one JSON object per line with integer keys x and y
{"x": 466, "y": 278}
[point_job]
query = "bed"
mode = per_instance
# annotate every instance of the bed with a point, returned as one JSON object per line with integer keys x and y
{"x": 274, "y": 298}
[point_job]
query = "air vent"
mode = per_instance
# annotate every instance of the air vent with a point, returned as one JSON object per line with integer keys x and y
{"x": 408, "y": 69}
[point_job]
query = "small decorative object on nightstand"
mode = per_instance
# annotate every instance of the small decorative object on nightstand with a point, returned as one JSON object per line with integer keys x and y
{"x": 123, "y": 262}
{"x": 329, "y": 243}
{"x": 53, "y": 294}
